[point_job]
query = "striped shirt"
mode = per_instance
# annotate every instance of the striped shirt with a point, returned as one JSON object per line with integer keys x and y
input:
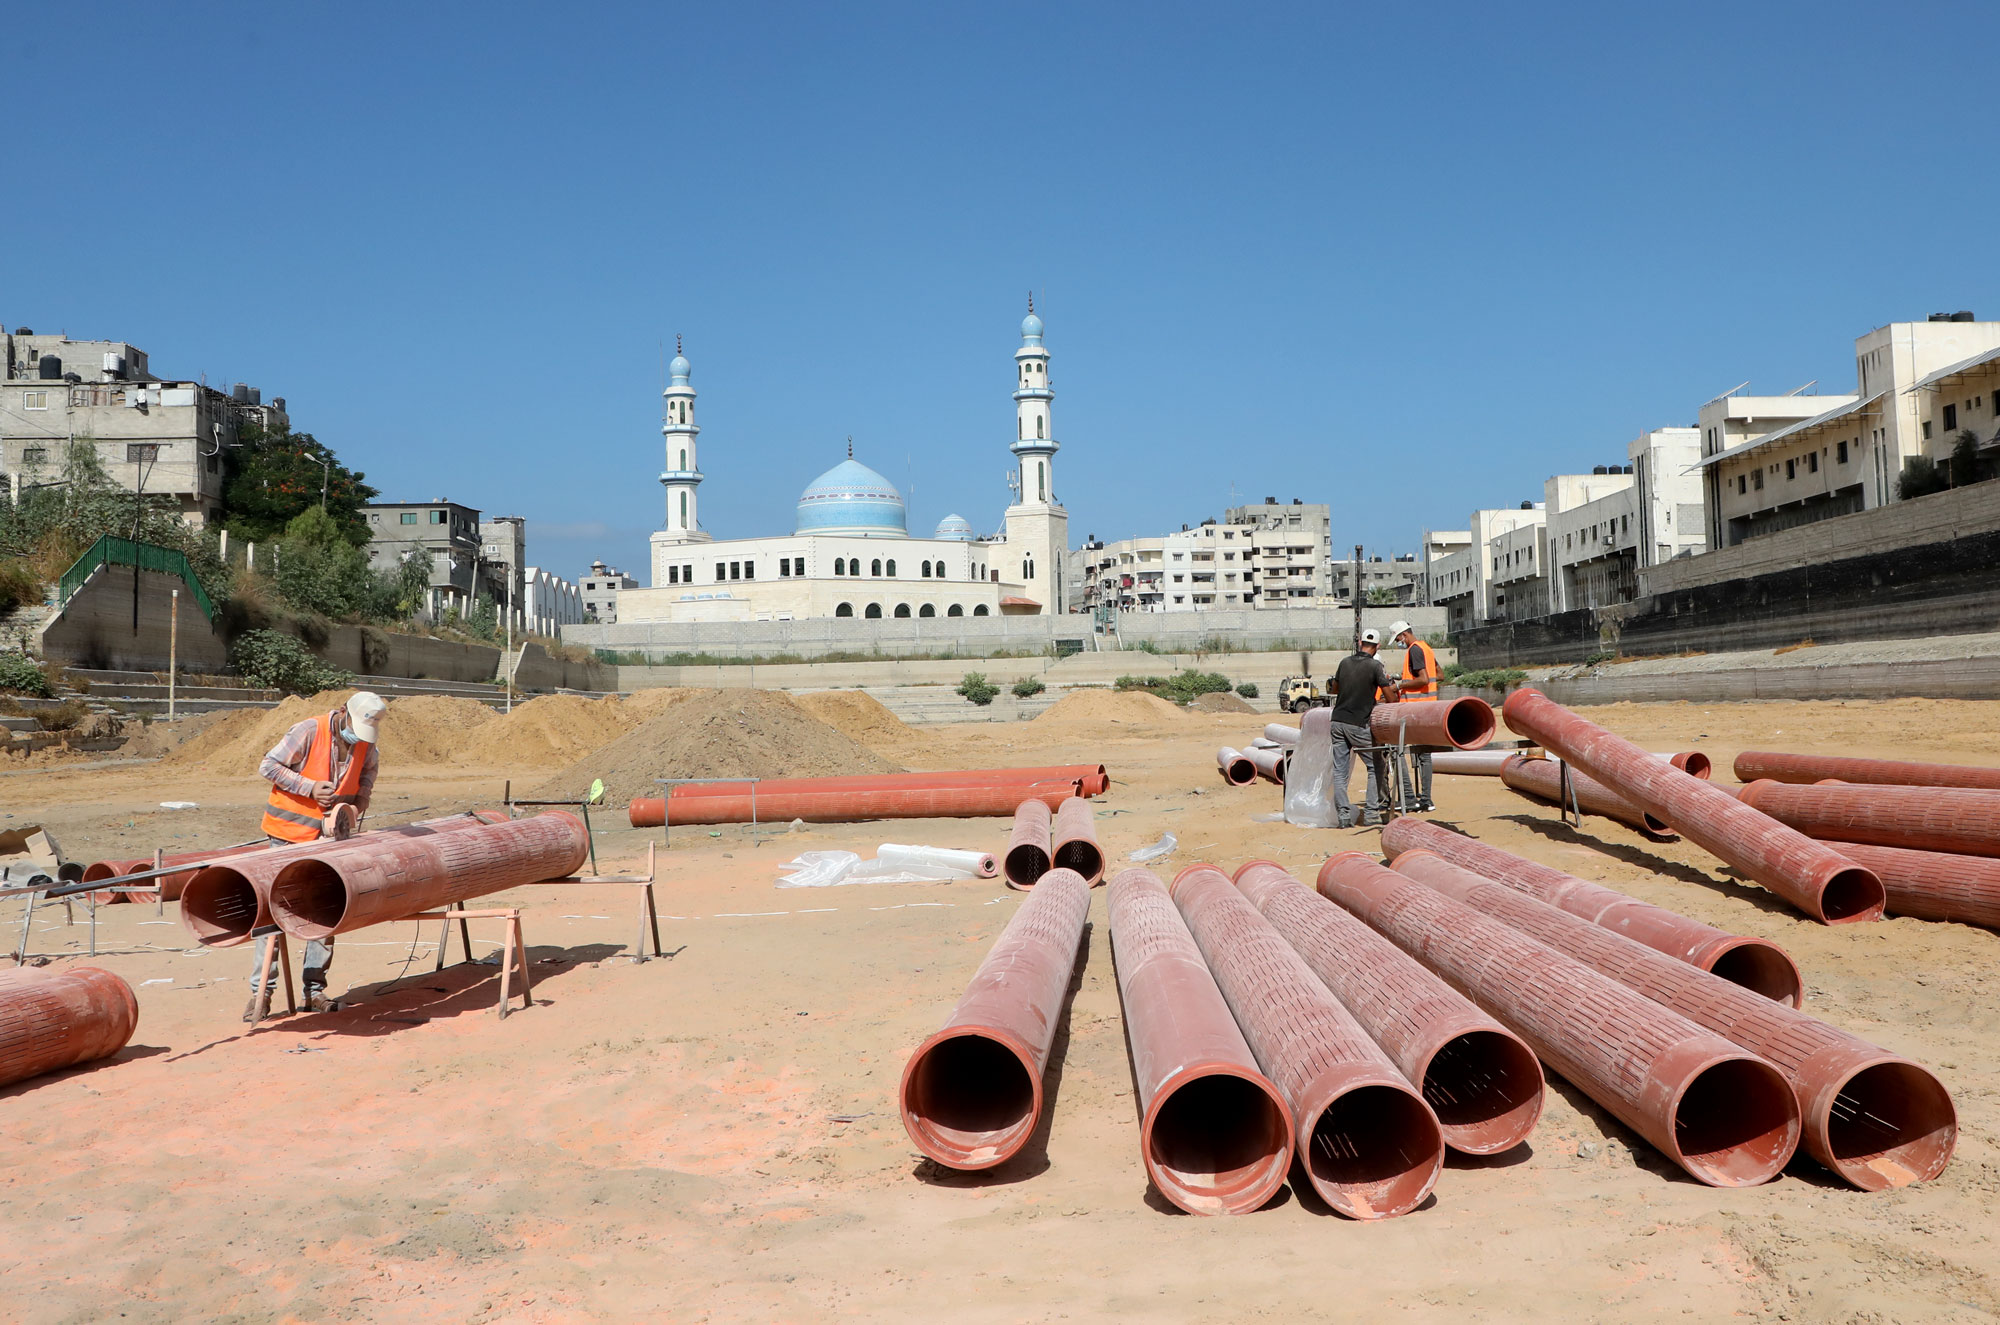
{"x": 281, "y": 766}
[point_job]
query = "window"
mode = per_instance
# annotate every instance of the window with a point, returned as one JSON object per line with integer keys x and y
{"x": 141, "y": 453}
{"x": 721, "y": 572}
{"x": 673, "y": 575}
{"x": 439, "y": 517}
{"x": 409, "y": 517}
{"x": 874, "y": 612}
{"x": 1040, "y": 426}
{"x": 927, "y": 610}
{"x": 892, "y": 568}
{"x": 684, "y": 458}
{"x": 875, "y": 569}
{"x": 845, "y": 609}
{"x": 1812, "y": 462}
{"x": 926, "y": 570}
{"x": 980, "y": 610}
{"x": 35, "y": 455}
{"x": 1759, "y": 476}
{"x": 1840, "y": 454}
{"x": 34, "y": 400}
{"x": 1791, "y": 470}
{"x": 749, "y": 570}
{"x": 687, "y": 573}
{"x": 954, "y": 610}
{"x": 1742, "y": 485}
{"x": 840, "y": 565}
{"x": 735, "y": 570}
{"x": 902, "y": 611}
{"x": 684, "y": 510}
{"x": 1950, "y": 418}
{"x": 1927, "y": 429}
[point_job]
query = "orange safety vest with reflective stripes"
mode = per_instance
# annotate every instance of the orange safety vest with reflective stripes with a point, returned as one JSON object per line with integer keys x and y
{"x": 1429, "y": 690}
{"x": 298, "y": 818}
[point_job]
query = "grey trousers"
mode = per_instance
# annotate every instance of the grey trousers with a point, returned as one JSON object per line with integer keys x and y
{"x": 1420, "y": 769}
{"x": 1348, "y": 738}
{"x": 319, "y": 956}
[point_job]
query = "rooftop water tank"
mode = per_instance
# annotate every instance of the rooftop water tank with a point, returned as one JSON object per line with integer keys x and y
{"x": 50, "y": 368}
{"x": 240, "y": 393}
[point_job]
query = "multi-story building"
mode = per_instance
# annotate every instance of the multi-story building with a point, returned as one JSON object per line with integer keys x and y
{"x": 1959, "y": 398}
{"x": 162, "y": 438}
{"x": 600, "y": 590}
{"x": 548, "y": 603}
{"x": 1438, "y": 544}
{"x": 449, "y": 531}
{"x": 1290, "y": 544}
{"x": 1463, "y": 581}
{"x": 1125, "y": 576}
{"x": 1395, "y": 578}
{"x": 503, "y": 555}
{"x": 1519, "y": 557}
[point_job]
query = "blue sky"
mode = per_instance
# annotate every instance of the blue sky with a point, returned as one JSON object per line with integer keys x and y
{"x": 1409, "y": 260}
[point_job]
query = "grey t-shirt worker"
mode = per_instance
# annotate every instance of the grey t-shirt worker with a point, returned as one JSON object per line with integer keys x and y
{"x": 1354, "y": 684}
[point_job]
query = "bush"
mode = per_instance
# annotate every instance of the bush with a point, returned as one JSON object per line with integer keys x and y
{"x": 1181, "y": 688}
{"x": 62, "y": 717}
{"x": 277, "y": 661}
{"x": 1028, "y": 685}
{"x": 18, "y": 586}
{"x": 22, "y": 675}
{"x": 978, "y": 689}
{"x": 1248, "y": 690}
{"x": 1920, "y": 478}
{"x": 1491, "y": 678}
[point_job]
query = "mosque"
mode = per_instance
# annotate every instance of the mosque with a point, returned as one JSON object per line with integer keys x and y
{"x": 850, "y": 553}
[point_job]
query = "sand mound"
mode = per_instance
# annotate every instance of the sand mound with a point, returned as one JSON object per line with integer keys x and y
{"x": 159, "y": 737}
{"x": 717, "y": 733}
{"x": 549, "y": 731}
{"x": 1123, "y": 706}
{"x": 1221, "y": 701}
{"x": 417, "y": 730}
{"x": 863, "y": 717}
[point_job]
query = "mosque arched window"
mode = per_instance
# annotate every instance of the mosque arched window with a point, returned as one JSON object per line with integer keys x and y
{"x": 1041, "y": 426}
{"x": 845, "y": 609}
{"x": 979, "y": 610}
{"x": 840, "y": 565}
{"x": 875, "y": 569}
{"x": 902, "y": 611}
{"x": 684, "y": 510}
{"x": 927, "y": 610}
{"x": 926, "y": 570}
{"x": 954, "y": 610}
{"x": 684, "y": 459}
{"x": 892, "y": 568}
{"x": 874, "y": 612}
{"x": 1042, "y": 479}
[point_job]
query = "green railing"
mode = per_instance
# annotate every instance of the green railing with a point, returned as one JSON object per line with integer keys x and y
{"x": 110, "y": 551}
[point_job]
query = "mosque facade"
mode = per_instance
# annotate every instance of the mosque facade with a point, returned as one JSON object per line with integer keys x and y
{"x": 850, "y": 552}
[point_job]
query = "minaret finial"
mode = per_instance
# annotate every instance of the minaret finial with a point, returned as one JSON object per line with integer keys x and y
{"x": 677, "y": 341}
{"x": 1031, "y": 301}
{"x": 850, "y": 448}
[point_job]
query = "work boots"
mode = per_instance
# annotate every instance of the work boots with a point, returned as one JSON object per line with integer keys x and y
{"x": 317, "y": 1001}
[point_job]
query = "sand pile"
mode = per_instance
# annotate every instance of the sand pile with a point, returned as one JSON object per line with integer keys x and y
{"x": 864, "y": 717}
{"x": 1120, "y": 706}
{"x": 548, "y": 732}
{"x": 1221, "y": 701}
{"x": 419, "y": 730}
{"x": 717, "y": 733}
{"x": 160, "y": 737}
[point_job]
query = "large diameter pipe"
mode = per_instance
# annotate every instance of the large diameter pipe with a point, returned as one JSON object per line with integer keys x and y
{"x": 1029, "y": 849}
{"x": 223, "y": 904}
{"x": 845, "y": 806}
{"x": 1957, "y": 820}
{"x": 1369, "y": 1144}
{"x": 1281, "y": 733}
{"x": 1237, "y": 770}
{"x": 1214, "y": 1133}
{"x": 971, "y": 1094}
{"x": 1779, "y": 767}
{"x": 1073, "y": 841}
{"x": 1270, "y": 764}
{"x": 1693, "y": 763}
{"x": 166, "y": 887}
{"x": 371, "y": 881}
{"x": 1474, "y": 763}
{"x": 1812, "y": 877}
{"x": 1092, "y": 780}
{"x": 1727, "y": 1117}
{"x": 1934, "y": 885}
{"x": 1465, "y": 723}
{"x": 50, "y": 1020}
{"x": 1542, "y": 779}
{"x": 1480, "y": 1080}
{"x": 1873, "y": 1117}
{"x": 1757, "y": 964}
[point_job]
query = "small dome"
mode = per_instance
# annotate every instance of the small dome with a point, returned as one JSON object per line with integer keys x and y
{"x": 851, "y": 498}
{"x": 679, "y": 368}
{"x": 1031, "y": 328}
{"x": 955, "y": 529}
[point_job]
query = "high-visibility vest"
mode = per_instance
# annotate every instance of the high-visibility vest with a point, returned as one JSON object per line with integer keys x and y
{"x": 1429, "y": 690}
{"x": 298, "y": 818}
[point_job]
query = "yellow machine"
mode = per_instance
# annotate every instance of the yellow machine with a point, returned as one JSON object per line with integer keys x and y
{"x": 1296, "y": 694}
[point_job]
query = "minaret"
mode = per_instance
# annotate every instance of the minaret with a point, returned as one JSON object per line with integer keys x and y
{"x": 1035, "y": 444}
{"x": 682, "y": 476}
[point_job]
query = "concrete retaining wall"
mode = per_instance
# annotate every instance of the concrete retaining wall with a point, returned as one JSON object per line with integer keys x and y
{"x": 1954, "y": 678}
{"x": 535, "y": 668}
{"x": 94, "y": 629}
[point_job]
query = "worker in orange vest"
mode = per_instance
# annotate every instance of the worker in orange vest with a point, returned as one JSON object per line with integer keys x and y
{"x": 322, "y": 764}
{"x": 1419, "y": 681}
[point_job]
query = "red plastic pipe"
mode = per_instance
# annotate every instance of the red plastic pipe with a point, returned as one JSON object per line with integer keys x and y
{"x": 1465, "y": 723}
{"x": 1934, "y": 885}
{"x": 1818, "y": 881}
{"x": 165, "y": 887}
{"x": 1073, "y": 841}
{"x": 847, "y": 806}
{"x": 1873, "y": 1117}
{"x": 972, "y": 1093}
{"x": 1092, "y": 780}
{"x": 386, "y": 877}
{"x": 1269, "y": 763}
{"x": 1542, "y": 779}
{"x": 53, "y": 1019}
{"x": 1030, "y": 850}
{"x": 1758, "y": 965}
{"x": 1778, "y": 767}
{"x": 1480, "y": 1080}
{"x": 1694, "y": 763}
{"x": 1237, "y": 770}
{"x": 1214, "y": 1134}
{"x": 1725, "y": 1116}
{"x": 1957, "y": 820}
{"x": 222, "y": 904}
{"x": 1369, "y": 1144}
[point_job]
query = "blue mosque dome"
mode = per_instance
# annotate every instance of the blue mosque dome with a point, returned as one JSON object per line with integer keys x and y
{"x": 851, "y": 498}
{"x": 680, "y": 367}
{"x": 955, "y": 529}
{"x": 1031, "y": 328}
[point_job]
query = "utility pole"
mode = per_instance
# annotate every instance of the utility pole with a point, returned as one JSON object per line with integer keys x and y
{"x": 1355, "y": 595}
{"x": 140, "y": 452}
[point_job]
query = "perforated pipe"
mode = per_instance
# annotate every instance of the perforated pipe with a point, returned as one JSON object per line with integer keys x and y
{"x": 971, "y": 1094}
{"x": 1480, "y": 1080}
{"x": 1813, "y": 878}
{"x": 1368, "y": 1143}
{"x": 53, "y": 1019}
{"x": 1028, "y": 847}
{"x": 1214, "y": 1133}
{"x": 1873, "y": 1117}
{"x": 1091, "y": 780}
{"x": 1957, "y": 820}
{"x": 1757, "y": 964}
{"x": 1073, "y": 841}
{"x": 166, "y": 887}
{"x": 1465, "y": 723}
{"x": 1542, "y": 779}
{"x": 1934, "y": 885}
{"x": 1780, "y": 767}
{"x": 1725, "y": 1116}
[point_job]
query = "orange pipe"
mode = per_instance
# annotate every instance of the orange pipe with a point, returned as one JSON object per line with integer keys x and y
{"x": 1465, "y": 723}
{"x": 165, "y": 886}
{"x": 1091, "y": 778}
{"x": 847, "y": 805}
{"x": 1754, "y": 764}
{"x": 1073, "y": 841}
{"x": 50, "y": 1020}
{"x": 1542, "y": 779}
{"x": 1030, "y": 847}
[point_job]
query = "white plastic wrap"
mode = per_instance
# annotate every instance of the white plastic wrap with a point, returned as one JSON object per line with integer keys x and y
{"x": 832, "y": 869}
{"x": 974, "y": 864}
{"x": 1309, "y": 780}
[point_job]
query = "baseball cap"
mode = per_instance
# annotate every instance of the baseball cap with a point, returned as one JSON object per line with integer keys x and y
{"x": 1370, "y": 637}
{"x": 364, "y": 710}
{"x": 1398, "y": 628}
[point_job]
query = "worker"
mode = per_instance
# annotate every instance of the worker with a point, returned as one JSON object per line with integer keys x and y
{"x": 321, "y": 763}
{"x": 1419, "y": 682}
{"x": 1355, "y": 684}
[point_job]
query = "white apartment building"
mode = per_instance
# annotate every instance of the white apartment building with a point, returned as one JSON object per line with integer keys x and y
{"x": 1210, "y": 565}
{"x": 1958, "y": 398}
{"x": 1126, "y": 576}
{"x": 1463, "y": 582}
{"x": 1606, "y": 526}
{"x": 1291, "y": 546}
{"x": 1266, "y": 555}
{"x": 1519, "y": 558}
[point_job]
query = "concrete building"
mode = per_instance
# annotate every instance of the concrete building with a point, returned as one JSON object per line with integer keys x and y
{"x": 503, "y": 556}
{"x": 548, "y": 603}
{"x": 850, "y": 553}
{"x": 1291, "y": 545}
{"x": 448, "y": 531}
{"x": 165, "y": 438}
{"x": 1463, "y": 582}
{"x": 1126, "y": 576}
{"x": 1437, "y": 544}
{"x": 1592, "y": 537}
{"x": 1958, "y": 398}
{"x": 1519, "y": 561}
{"x": 1268, "y": 555}
{"x": 600, "y": 590}
{"x": 1847, "y": 454}
{"x": 1397, "y": 578}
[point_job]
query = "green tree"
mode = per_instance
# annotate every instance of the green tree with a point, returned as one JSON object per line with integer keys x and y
{"x": 320, "y": 571}
{"x": 1920, "y": 478}
{"x": 1965, "y": 467}
{"x": 273, "y": 477}
{"x": 1381, "y": 596}
{"x": 61, "y": 513}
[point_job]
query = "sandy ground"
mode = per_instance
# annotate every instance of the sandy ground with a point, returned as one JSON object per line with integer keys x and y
{"x": 714, "y": 1136}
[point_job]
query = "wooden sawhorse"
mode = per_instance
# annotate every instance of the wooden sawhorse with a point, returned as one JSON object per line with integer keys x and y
{"x": 277, "y": 949}
{"x": 512, "y": 949}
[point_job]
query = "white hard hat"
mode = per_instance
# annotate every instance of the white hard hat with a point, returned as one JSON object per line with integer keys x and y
{"x": 1370, "y": 637}
{"x": 364, "y": 710}
{"x": 1398, "y": 628}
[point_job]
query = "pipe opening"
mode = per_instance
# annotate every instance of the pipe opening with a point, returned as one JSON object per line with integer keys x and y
{"x": 1086, "y": 858}
{"x": 99, "y": 870}
{"x": 308, "y": 899}
{"x": 219, "y": 906}
{"x": 1852, "y": 894}
{"x": 1736, "y": 1123}
{"x": 1025, "y": 864}
{"x": 1696, "y": 764}
{"x": 1892, "y": 1124}
{"x": 970, "y": 1101}
{"x": 1657, "y": 826}
{"x": 1763, "y": 969}
{"x": 1486, "y": 1089}
{"x": 1468, "y": 725}
{"x": 1240, "y": 772}
{"x": 1218, "y": 1144}
{"x": 1374, "y": 1152}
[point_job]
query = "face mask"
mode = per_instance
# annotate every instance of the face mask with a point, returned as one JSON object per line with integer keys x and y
{"x": 347, "y": 734}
